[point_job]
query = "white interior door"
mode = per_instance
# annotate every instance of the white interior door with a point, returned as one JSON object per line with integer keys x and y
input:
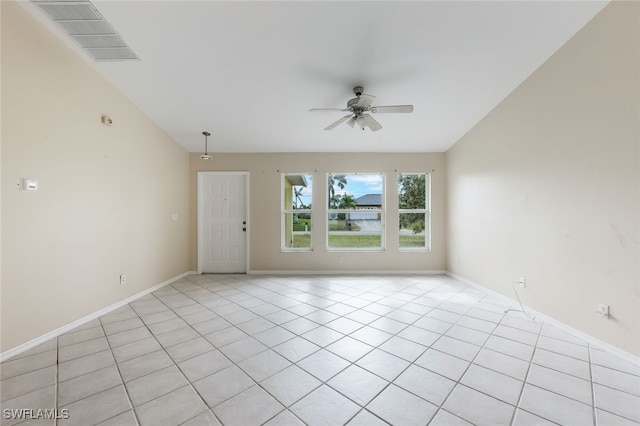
{"x": 223, "y": 222}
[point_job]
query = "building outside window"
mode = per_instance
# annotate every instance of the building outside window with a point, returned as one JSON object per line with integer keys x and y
{"x": 355, "y": 211}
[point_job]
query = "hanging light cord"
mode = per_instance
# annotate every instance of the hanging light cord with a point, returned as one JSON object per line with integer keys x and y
{"x": 513, "y": 285}
{"x": 206, "y": 136}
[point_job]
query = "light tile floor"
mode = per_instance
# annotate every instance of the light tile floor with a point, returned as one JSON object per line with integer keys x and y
{"x": 323, "y": 350}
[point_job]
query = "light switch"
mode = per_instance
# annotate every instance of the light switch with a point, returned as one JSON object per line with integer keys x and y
{"x": 29, "y": 184}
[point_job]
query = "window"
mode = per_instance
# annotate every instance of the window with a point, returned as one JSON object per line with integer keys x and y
{"x": 414, "y": 211}
{"x": 296, "y": 212}
{"x": 355, "y": 211}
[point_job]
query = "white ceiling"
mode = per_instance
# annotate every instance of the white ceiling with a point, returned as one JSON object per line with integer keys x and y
{"x": 249, "y": 71}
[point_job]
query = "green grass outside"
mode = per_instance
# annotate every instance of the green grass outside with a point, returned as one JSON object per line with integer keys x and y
{"x": 358, "y": 241}
{"x": 301, "y": 241}
{"x": 301, "y": 223}
{"x": 411, "y": 240}
{"x": 354, "y": 241}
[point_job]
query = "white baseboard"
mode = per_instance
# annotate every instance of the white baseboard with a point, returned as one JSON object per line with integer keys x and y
{"x": 554, "y": 322}
{"x": 348, "y": 272}
{"x": 68, "y": 327}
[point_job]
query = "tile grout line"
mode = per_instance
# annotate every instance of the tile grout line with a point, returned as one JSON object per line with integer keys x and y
{"x": 115, "y": 361}
{"x": 564, "y": 354}
{"x": 552, "y": 391}
{"x": 353, "y": 363}
{"x": 102, "y": 368}
{"x": 524, "y": 381}
{"x": 162, "y": 349}
{"x": 593, "y": 389}
{"x": 412, "y": 363}
{"x": 426, "y": 348}
{"x": 37, "y": 369}
{"x": 321, "y": 348}
{"x": 55, "y": 389}
{"x": 85, "y": 374}
{"x": 285, "y": 408}
{"x": 174, "y": 361}
{"x": 458, "y": 382}
{"x": 259, "y": 384}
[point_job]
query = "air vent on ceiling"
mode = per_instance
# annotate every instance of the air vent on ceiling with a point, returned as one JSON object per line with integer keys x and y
{"x": 83, "y": 23}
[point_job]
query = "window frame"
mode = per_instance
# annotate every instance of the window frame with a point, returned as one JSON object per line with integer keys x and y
{"x": 284, "y": 212}
{"x": 381, "y": 212}
{"x": 426, "y": 211}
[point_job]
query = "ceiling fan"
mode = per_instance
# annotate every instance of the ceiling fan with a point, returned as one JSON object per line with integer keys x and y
{"x": 359, "y": 107}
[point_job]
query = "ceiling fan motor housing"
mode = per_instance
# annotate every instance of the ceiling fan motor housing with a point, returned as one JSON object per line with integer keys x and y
{"x": 352, "y": 104}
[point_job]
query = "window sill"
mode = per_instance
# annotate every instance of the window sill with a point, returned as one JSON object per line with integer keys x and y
{"x": 356, "y": 249}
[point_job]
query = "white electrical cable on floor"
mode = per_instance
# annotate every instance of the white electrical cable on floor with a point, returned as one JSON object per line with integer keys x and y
{"x": 513, "y": 284}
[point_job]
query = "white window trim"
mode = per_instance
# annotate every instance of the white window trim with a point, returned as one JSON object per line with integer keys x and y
{"x": 284, "y": 212}
{"x": 426, "y": 211}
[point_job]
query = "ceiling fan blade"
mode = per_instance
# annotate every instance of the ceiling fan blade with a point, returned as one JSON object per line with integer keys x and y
{"x": 392, "y": 108}
{"x": 352, "y": 121}
{"x": 328, "y": 109}
{"x": 365, "y": 100}
{"x": 372, "y": 123}
{"x": 336, "y": 123}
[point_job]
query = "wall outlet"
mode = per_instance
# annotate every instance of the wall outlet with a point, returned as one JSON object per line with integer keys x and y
{"x": 603, "y": 310}
{"x": 522, "y": 282}
{"x": 123, "y": 279}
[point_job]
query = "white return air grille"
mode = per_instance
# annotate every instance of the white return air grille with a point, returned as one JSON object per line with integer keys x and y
{"x": 82, "y": 21}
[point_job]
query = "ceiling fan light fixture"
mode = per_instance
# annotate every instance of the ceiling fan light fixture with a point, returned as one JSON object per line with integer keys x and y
{"x": 359, "y": 107}
{"x": 361, "y": 122}
{"x": 206, "y": 155}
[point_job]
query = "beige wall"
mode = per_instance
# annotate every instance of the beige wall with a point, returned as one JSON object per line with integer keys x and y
{"x": 547, "y": 186}
{"x": 106, "y": 193}
{"x": 265, "y": 200}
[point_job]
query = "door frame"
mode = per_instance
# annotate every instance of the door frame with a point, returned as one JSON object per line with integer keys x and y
{"x": 200, "y": 228}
